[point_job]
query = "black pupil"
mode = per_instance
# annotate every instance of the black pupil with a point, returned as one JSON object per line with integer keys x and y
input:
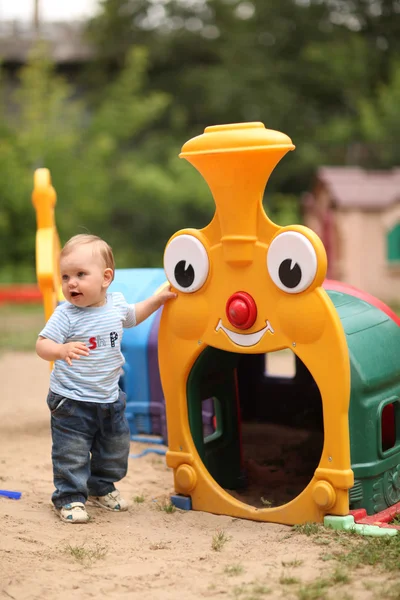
{"x": 289, "y": 275}
{"x": 184, "y": 275}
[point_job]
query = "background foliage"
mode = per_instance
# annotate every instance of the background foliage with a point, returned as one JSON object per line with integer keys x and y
{"x": 327, "y": 73}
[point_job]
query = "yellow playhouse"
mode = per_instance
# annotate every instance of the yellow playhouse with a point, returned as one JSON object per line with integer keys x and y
{"x": 247, "y": 287}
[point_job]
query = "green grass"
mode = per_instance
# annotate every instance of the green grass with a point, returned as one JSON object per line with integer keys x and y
{"x": 266, "y": 503}
{"x": 395, "y": 520}
{"x": 20, "y": 325}
{"x": 158, "y": 546}
{"x": 288, "y": 580}
{"x": 382, "y": 553}
{"x": 317, "y": 590}
{"x": 352, "y": 550}
{"x": 340, "y": 576}
{"x": 139, "y": 499}
{"x": 85, "y": 554}
{"x": 165, "y": 505}
{"x": 234, "y": 570}
{"x": 308, "y": 528}
{"x": 292, "y": 563}
{"x": 219, "y": 540}
{"x": 251, "y": 591}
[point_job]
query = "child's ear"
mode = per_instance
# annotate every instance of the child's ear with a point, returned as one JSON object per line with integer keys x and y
{"x": 108, "y": 277}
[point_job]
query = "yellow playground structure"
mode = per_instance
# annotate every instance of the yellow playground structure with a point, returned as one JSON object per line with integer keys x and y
{"x": 247, "y": 286}
{"x": 44, "y": 199}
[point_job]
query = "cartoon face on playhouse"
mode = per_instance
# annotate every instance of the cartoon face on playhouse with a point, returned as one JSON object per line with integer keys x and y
{"x": 258, "y": 305}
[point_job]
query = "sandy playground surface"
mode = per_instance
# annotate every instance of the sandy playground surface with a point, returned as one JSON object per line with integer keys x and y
{"x": 145, "y": 553}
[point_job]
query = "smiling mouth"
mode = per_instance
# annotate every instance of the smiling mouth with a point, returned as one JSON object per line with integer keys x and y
{"x": 245, "y": 339}
{"x": 75, "y": 294}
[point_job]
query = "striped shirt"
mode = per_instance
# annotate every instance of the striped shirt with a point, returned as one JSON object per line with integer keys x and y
{"x": 92, "y": 378}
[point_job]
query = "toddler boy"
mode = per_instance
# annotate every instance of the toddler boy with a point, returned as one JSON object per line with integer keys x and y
{"x": 90, "y": 432}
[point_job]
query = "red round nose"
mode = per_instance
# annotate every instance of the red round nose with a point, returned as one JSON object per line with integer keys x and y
{"x": 241, "y": 310}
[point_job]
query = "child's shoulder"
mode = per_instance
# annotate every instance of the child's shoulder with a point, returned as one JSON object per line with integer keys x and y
{"x": 62, "y": 308}
{"x": 66, "y": 310}
{"x": 117, "y": 298}
{"x": 61, "y": 314}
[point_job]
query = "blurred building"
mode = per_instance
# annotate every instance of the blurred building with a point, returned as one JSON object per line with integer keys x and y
{"x": 356, "y": 213}
{"x": 68, "y": 47}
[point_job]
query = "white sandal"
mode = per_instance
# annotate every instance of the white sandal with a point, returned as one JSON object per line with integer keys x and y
{"x": 111, "y": 501}
{"x": 75, "y": 512}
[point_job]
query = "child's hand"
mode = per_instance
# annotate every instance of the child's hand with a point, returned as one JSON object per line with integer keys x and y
{"x": 73, "y": 350}
{"x": 145, "y": 308}
{"x": 166, "y": 295}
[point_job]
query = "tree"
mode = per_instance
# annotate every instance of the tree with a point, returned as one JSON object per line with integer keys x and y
{"x": 379, "y": 122}
{"x": 301, "y": 67}
{"x": 97, "y": 159}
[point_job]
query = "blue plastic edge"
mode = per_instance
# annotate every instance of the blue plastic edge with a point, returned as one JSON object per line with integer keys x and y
{"x": 136, "y": 285}
{"x": 182, "y": 502}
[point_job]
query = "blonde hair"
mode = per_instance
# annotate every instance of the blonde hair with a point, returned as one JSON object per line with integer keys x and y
{"x": 100, "y": 247}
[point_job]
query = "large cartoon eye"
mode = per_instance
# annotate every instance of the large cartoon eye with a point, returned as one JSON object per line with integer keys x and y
{"x": 186, "y": 263}
{"x": 292, "y": 262}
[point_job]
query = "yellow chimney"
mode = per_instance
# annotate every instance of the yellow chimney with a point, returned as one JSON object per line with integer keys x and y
{"x": 236, "y": 161}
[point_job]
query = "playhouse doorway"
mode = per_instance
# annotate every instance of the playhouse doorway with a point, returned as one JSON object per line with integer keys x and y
{"x": 256, "y": 422}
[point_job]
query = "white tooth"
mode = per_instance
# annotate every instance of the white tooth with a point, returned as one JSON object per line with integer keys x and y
{"x": 245, "y": 339}
{"x": 269, "y": 327}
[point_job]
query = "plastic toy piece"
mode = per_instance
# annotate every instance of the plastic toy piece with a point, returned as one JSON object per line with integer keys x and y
{"x": 148, "y": 451}
{"x": 147, "y": 439}
{"x": 347, "y": 523}
{"x": 13, "y": 495}
{"x": 182, "y": 502}
{"x": 380, "y": 519}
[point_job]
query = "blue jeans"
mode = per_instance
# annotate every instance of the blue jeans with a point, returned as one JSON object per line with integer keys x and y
{"x": 91, "y": 443}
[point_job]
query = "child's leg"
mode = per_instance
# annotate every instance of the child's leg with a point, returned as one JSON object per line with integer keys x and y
{"x": 110, "y": 449}
{"x": 73, "y": 426}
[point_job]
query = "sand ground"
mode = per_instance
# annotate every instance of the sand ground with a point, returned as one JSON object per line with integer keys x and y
{"x": 145, "y": 553}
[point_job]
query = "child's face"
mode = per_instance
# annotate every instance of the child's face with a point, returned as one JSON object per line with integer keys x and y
{"x": 84, "y": 277}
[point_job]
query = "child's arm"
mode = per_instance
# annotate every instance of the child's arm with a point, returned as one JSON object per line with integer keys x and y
{"x": 145, "y": 308}
{"x": 51, "y": 351}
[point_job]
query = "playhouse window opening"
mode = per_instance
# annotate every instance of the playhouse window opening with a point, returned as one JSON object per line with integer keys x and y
{"x": 393, "y": 244}
{"x": 388, "y": 427}
{"x": 281, "y": 363}
{"x": 211, "y": 417}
